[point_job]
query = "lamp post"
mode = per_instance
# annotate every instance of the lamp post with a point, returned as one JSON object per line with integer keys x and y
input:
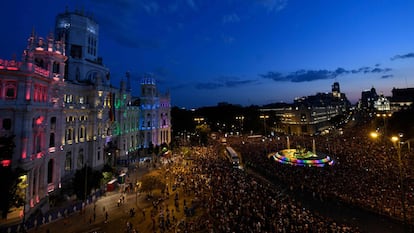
{"x": 384, "y": 117}
{"x": 397, "y": 144}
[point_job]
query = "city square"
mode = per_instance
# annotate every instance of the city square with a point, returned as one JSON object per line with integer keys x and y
{"x": 193, "y": 123}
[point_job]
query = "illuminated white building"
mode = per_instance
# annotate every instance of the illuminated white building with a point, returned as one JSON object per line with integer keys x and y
{"x": 89, "y": 98}
{"x": 64, "y": 113}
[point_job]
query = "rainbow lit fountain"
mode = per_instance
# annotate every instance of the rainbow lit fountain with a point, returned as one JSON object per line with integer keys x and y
{"x": 301, "y": 157}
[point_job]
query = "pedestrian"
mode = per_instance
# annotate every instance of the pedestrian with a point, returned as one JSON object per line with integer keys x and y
{"x": 106, "y": 217}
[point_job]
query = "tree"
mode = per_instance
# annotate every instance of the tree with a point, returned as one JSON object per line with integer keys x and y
{"x": 203, "y": 132}
{"x": 86, "y": 178}
{"x": 12, "y": 196}
{"x": 107, "y": 174}
{"x": 151, "y": 182}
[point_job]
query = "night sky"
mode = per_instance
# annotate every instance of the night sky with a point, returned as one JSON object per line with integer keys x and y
{"x": 238, "y": 51}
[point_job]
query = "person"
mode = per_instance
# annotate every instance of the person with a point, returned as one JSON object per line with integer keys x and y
{"x": 106, "y": 216}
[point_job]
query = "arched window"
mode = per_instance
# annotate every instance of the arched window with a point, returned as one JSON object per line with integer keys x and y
{"x": 52, "y": 140}
{"x": 80, "y": 159}
{"x": 53, "y": 123}
{"x": 50, "y": 171}
{"x": 11, "y": 90}
{"x": 39, "y": 62}
{"x": 56, "y": 67}
{"x": 82, "y": 133}
{"x": 38, "y": 143}
{"x": 69, "y": 135}
{"x": 68, "y": 161}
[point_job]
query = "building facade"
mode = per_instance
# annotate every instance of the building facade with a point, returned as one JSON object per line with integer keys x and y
{"x": 65, "y": 114}
{"x": 310, "y": 114}
{"x": 31, "y": 99}
{"x": 155, "y": 118}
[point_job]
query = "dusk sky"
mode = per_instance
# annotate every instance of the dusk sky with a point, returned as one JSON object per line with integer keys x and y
{"x": 238, "y": 51}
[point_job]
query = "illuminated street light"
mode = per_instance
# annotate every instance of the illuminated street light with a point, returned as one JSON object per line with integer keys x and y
{"x": 384, "y": 117}
{"x": 199, "y": 119}
{"x": 374, "y": 135}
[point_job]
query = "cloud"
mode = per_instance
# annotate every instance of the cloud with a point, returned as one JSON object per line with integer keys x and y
{"x": 225, "y": 82}
{"x": 379, "y": 70}
{"x": 387, "y": 76}
{"x": 236, "y": 83}
{"x": 273, "y": 5}
{"x": 276, "y": 76}
{"x": 404, "y": 56}
{"x": 232, "y": 18}
{"x": 312, "y": 75}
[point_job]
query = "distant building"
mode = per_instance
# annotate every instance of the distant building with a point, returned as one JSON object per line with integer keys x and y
{"x": 402, "y": 99}
{"x": 155, "y": 118}
{"x": 65, "y": 114}
{"x": 382, "y": 104}
{"x": 308, "y": 115}
{"x": 368, "y": 98}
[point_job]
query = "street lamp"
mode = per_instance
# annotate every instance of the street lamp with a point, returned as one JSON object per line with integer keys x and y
{"x": 384, "y": 117}
{"x": 199, "y": 119}
{"x": 397, "y": 144}
{"x": 264, "y": 117}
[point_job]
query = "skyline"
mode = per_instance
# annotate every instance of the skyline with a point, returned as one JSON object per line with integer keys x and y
{"x": 249, "y": 52}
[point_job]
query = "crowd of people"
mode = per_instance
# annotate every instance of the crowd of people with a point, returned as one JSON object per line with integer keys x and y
{"x": 235, "y": 201}
{"x": 365, "y": 173}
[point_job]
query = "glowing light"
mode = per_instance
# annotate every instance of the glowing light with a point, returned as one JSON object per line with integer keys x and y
{"x": 288, "y": 157}
{"x": 395, "y": 139}
{"x": 40, "y": 120}
{"x": 6, "y": 163}
{"x": 374, "y": 135}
